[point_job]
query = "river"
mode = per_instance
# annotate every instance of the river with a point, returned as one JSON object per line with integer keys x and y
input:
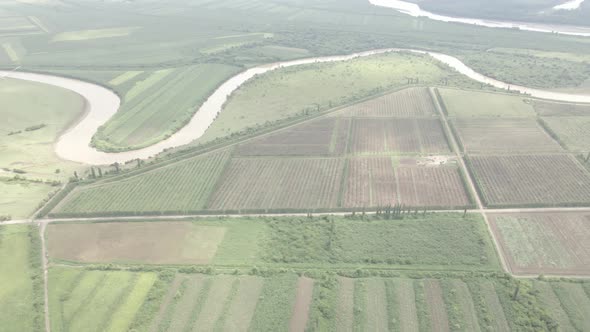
{"x": 414, "y": 10}
{"x": 102, "y": 104}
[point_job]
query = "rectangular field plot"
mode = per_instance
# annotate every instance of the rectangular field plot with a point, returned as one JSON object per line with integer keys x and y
{"x": 406, "y": 136}
{"x": 266, "y": 184}
{"x": 376, "y": 182}
{"x": 544, "y": 243}
{"x": 324, "y": 137}
{"x": 177, "y": 188}
{"x": 572, "y": 131}
{"x": 460, "y": 103}
{"x": 503, "y": 136}
{"x": 163, "y": 242}
{"x": 446, "y": 241}
{"x": 413, "y": 102}
{"x": 152, "y": 242}
{"x": 544, "y": 108}
{"x": 533, "y": 180}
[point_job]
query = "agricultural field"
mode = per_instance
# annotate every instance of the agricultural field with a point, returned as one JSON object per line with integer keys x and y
{"x": 449, "y": 241}
{"x": 205, "y": 242}
{"x": 572, "y": 131}
{"x": 84, "y": 35}
{"x": 278, "y": 184}
{"x": 156, "y": 104}
{"x": 165, "y": 189}
{"x": 19, "y": 198}
{"x": 319, "y": 87}
{"x": 397, "y": 136}
{"x": 474, "y": 104}
{"x": 34, "y": 115}
{"x": 516, "y": 135}
{"x": 531, "y": 180}
{"x": 567, "y": 302}
{"x": 21, "y": 296}
{"x": 323, "y": 137}
{"x": 379, "y": 182}
{"x": 544, "y": 243}
{"x": 545, "y": 109}
{"x": 412, "y": 102}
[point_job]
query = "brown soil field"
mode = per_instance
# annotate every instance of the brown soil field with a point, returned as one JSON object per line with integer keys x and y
{"x": 544, "y": 243}
{"x": 531, "y": 180}
{"x": 151, "y": 242}
{"x": 323, "y": 137}
{"x": 375, "y": 182}
{"x": 412, "y": 136}
{"x": 436, "y": 306}
{"x": 282, "y": 183}
{"x": 544, "y": 108}
{"x": 303, "y": 299}
{"x": 517, "y": 135}
{"x": 413, "y": 102}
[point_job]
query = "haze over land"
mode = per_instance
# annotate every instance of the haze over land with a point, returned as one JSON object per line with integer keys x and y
{"x": 291, "y": 165}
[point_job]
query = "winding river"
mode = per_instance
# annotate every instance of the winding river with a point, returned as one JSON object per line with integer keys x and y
{"x": 414, "y": 10}
{"x": 102, "y": 104}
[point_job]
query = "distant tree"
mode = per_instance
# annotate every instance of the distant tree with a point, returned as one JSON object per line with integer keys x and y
{"x": 100, "y": 172}
{"x": 76, "y": 175}
{"x": 93, "y": 172}
{"x": 117, "y": 167}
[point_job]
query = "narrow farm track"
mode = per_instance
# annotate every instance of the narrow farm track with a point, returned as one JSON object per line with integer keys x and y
{"x": 42, "y": 227}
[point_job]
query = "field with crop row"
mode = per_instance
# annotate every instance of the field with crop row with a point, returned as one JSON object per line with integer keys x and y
{"x": 180, "y": 187}
{"x": 532, "y": 180}
{"x": 159, "y": 103}
{"x": 544, "y": 108}
{"x": 516, "y": 135}
{"x": 548, "y": 243}
{"x": 412, "y": 102}
{"x": 413, "y": 136}
{"x": 323, "y": 137}
{"x": 286, "y": 302}
{"x": 278, "y": 184}
{"x": 378, "y": 182}
{"x": 572, "y": 131}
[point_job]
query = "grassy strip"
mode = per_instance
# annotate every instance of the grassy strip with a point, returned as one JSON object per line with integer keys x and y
{"x": 453, "y": 306}
{"x": 393, "y": 312}
{"x": 220, "y": 323}
{"x": 275, "y": 306}
{"x": 36, "y": 266}
{"x": 203, "y": 294}
{"x": 360, "y": 305}
{"x": 119, "y": 301}
{"x": 322, "y": 313}
{"x": 551, "y": 132}
{"x": 55, "y": 200}
{"x": 166, "y": 321}
{"x": 422, "y": 307}
{"x": 150, "y": 306}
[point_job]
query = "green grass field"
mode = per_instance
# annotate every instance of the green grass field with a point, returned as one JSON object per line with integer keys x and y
{"x": 572, "y": 131}
{"x": 26, "y": 104}
{"x": 459, "y": 103}
{"x": 19, "y": 199}
{"x": 157, "y": 104}
{"x": 21, "y": 296}
{"x": 291, "y": 92}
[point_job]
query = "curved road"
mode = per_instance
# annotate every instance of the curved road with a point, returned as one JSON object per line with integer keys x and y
{"x": 414, "y": 10}
{"x": 102, "y": 104}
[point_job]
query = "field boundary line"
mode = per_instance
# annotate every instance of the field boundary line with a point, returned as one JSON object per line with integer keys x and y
{"x": 471, "y": 185}
{"x": 42, "y": 227}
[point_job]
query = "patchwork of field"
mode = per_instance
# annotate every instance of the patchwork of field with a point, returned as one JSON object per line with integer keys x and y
{"x": 531, "y": 180}
{"x": 307, "y": 183}
{"x": 572, "y": 131}
{"x": 180, "y": 187}
{"x": 21, "y": 290}
{"x": 412, "y": 102}
{"x": 503, "y": 135}
{"x": 473, "y": 104}
{"x": 544, "y": 243}
{"x": 83, "y": 35}
{"x": 404, "y": 136}
{"x": 381, "y": 182}
{"x": 286, "y": 302}
{"x": 544, "y": 108}
{"x": 158, "y": 103}
{"x": 323, "y": 137}
{"x": 436, "y": 241}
